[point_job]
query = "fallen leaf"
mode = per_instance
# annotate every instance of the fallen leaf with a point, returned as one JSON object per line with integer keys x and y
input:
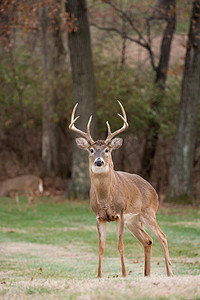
{"x": 134, "y": 261}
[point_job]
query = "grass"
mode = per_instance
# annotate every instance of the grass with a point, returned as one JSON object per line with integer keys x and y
{"x": 53, "y": 254}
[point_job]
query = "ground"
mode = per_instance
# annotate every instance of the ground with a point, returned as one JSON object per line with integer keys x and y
{"x": 53, "y": 254}
{"x": 137, "y": 286}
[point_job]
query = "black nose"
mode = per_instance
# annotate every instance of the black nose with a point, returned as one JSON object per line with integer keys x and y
{"x": 99, "y": 162}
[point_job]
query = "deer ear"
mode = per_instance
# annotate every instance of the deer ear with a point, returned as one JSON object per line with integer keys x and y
{"x": 116, "y": 143}
{"x": 82, "y": 143}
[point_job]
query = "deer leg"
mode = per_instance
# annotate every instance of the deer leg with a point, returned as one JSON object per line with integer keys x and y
{"x": 36, "y": 195}
{"x": 17, "y": 201}
{"x": 30, "y": 198}
{"x": 136, "y": 228}
{"x": 151, "y": 223}
{"x": 101, "y": 226}
{"x": 120, "y": 232}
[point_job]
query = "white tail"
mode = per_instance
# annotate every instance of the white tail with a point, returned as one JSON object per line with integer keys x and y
{"x": 122, "y": 197}
{"x": 40, "y": 187}
{"x": 30, "y": 184}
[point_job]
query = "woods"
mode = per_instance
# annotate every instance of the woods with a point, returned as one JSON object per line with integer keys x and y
{"x": 180, "y": 183}
{"x": 65, "y": 65}
{"x": 146, "y": 54}
{"x": 83, "y": 91}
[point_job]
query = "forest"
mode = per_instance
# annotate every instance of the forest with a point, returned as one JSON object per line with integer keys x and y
{"x": 134, "y": 66}
{"x": 146, "y": 54}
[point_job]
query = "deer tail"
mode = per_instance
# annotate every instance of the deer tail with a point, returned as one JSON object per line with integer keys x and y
{"x": 40, "y": 186}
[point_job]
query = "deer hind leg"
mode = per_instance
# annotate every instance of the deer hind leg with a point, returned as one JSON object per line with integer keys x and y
{"x": 30, "y": 198}
{"x": 36, "y": 196}
{"x": 36, "y": 202}
{"x": 17, "y": 201}
{"x": 120, "y": 232}
{"x": 101, "y": 226}
{"x": 136, "y": 228}
{"x": 151, "y": 223}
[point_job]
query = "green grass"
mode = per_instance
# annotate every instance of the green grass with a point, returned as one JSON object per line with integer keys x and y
{"x": 53, "y": 254}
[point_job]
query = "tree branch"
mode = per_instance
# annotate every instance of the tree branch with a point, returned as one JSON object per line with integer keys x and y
{"x": 145, "y": 45}
{"x": 127, "y": 17}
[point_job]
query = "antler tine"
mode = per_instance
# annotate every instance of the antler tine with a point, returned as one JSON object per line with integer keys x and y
{"x": 123, "y": 111}
{"x": 109, "y": 130}
{"x": 88, "y": 129}
{"x": 73, "y": 113}
{"x": 73, "y": 127}
{"x": 125, "y": 120}
{"x": 125, "y": 125}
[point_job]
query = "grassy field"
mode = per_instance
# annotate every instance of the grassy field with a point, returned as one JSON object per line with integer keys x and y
{"x": 53, "y": 254}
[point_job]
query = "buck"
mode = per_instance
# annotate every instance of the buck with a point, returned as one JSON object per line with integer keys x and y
{"x": 26, "y": 183}
{"x": 118, "y": 196}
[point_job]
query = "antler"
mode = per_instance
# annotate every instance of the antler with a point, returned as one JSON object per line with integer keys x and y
{"x": 125, "y": 125}
{"x": 72, "y": 126}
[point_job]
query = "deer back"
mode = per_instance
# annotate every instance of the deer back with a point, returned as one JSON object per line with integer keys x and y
{"x": 20, "y": 183}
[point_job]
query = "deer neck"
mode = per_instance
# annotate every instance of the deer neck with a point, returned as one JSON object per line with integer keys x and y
{"x": 102, "y": 184}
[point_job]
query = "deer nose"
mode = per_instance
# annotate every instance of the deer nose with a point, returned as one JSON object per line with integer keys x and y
{"x": 99, "y": 162}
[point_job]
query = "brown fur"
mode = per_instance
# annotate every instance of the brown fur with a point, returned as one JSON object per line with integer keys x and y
{"x": 114, "y": 196}
{"x": 24, "y": 183}
{"x": 119, "y": 196}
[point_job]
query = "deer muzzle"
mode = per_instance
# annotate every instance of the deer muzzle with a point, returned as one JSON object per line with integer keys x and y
{"x": 99, "y": 162}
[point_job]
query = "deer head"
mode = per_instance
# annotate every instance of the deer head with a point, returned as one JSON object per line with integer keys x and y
{"x": 99, "y": 151}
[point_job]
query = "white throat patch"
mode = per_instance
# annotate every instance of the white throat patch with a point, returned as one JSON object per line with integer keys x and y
{"x": 99, "y": 170}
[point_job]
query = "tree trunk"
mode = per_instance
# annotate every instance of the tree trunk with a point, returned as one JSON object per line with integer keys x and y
{"x": 168, "y": 9}
{"x": 83, "y": 92}
{"x": 162, "y": 69}
{"x": 53, "y": 60}
{"x": 180, "y": 180}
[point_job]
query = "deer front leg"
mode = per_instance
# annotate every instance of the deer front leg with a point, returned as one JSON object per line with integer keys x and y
{"x": 101, "y": 226}
{"x": 17, "y": 202}
{"x": 120, "y": 232}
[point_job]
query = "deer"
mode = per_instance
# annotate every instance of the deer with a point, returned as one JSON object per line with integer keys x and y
{"x": 31, "y": 184}
{"x": 125, "y": 198}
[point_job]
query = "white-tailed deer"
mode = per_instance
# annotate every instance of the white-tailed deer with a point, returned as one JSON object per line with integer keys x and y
{"x": 119, "y": 196}
{"x": 30, "y": 184}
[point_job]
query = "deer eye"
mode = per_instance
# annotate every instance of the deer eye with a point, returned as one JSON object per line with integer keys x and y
{"x": 91, "y": 150}
{"x": 106, "y": 150}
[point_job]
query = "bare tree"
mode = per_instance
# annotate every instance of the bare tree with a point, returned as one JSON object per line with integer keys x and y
{"x": 83, "y": 90}
{"x": 180, "y": 180}
{"x": 164, "y": 10}
{"x": 142, "y": 35}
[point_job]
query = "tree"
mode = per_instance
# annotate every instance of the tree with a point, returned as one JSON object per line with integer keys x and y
{"x": 166, "y": 10}
{"x": 83, "y": 91}
{"x": 41, "y": 19}
{"x": 141, "y": 24}
{"x": 53, "y": 55}
{"x": 180, "y": 180}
